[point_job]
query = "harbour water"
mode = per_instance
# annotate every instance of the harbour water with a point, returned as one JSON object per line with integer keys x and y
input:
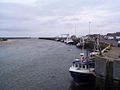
{"x": 34, "y": 64}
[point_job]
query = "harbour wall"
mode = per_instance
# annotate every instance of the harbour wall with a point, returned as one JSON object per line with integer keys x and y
{"x": 116, "y": 69}
{"x": 100, "y": 66}
{"x": 107, "y": 68}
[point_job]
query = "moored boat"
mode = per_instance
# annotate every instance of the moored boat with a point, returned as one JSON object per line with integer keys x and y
{"x": 68, "y": 41}
{"x": 80, "y": 43}
{"x": 82, "y": 72}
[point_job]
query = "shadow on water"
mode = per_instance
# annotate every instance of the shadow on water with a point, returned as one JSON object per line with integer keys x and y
{"x": 73, "y": 86}
{"x": 107, "y": 84}
{"x": 100, "y": 84}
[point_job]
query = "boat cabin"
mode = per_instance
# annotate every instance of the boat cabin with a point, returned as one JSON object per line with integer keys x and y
{"x": 83, "y": 65}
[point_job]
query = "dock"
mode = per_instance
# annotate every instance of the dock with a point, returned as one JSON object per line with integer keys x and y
{"x": 108, "y": 65}
{"x": 113, "y": 53}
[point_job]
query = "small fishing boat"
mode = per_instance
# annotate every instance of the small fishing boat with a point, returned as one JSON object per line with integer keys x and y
{"x": 97, "y": 49}
{"x": 80, "y": 44}
{"x": 82, "y": 70}
{"x": 68, "y": 41}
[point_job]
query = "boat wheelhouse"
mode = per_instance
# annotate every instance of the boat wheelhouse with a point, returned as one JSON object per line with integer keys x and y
{"x": 82, "y": 72}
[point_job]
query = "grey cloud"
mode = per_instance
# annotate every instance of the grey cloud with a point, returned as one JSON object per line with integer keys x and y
{"x": 59, "y": 16}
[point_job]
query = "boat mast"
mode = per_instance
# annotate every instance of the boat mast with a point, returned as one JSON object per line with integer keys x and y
{"x": 97, "y": 44}
{"x": 83, "y": 48}
{"x": 87, "y": 51}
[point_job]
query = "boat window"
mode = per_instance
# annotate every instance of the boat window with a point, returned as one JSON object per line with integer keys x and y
{"x": 79, "y": 65}
{"x": 83, "y": 66}
{"x": 87, "y": 66}
{"x": 92, "y": 65}
{"x": 75, "y": 65}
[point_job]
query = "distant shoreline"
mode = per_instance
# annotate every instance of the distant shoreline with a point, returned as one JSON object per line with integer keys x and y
{"x": 15, "y": 37}
{"x": 4, "y": 42}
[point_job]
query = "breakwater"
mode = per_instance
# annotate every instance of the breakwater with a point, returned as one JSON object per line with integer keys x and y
{"x": 47, "y": 38}
{"x": 15, "y": 37}
{"x": 3, "y": 39}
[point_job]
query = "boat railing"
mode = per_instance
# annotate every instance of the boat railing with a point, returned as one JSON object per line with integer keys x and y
{"x": 82, "y": 66}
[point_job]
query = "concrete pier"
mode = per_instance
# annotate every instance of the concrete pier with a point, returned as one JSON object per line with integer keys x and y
{"x": 116, "y": 69}
{"x": 100, "y": 66}
{"x": 108, "y": 65}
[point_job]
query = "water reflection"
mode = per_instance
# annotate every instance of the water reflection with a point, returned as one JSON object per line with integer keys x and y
{"x": 42, "y": 65}
{"x": 100, "y": 84}
{"x": 107, "y": 84}
{"x": 73, "y": 86}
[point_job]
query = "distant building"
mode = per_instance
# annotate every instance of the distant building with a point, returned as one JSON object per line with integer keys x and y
{"x": 117, "y": 37}
{"x": 110, "y": 36}
{"x": 117, "y": 33}
{"x": 93, "y": 35}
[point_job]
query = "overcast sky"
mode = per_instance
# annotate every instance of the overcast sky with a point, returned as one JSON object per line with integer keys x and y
{"x": 55, "y": 17}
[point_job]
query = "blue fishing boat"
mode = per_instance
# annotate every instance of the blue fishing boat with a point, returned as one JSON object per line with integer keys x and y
{"x": 82, "y": 72}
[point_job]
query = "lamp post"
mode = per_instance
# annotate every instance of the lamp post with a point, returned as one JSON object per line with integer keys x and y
{"x": 89, "y": 27}
{"x": 75, "y": 29}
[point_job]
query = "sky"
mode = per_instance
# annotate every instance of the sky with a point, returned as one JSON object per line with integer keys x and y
{"x": 40, "y": 18}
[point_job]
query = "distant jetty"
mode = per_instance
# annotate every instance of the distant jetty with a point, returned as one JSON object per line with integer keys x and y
{"x": 3, "y": 39}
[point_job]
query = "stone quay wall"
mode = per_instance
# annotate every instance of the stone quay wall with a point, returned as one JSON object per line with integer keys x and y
{"x": 107, "y": 68}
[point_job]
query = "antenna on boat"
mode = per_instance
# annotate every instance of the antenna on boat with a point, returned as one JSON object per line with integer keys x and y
{"x": 97, "y": 44}
{"x": 83, "y": 42}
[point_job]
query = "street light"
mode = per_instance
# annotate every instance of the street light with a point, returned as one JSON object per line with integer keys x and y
{"x": 89, "y": 26}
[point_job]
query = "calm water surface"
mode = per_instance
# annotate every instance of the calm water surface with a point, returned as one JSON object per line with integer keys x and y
{"x": 35, "y": 64}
